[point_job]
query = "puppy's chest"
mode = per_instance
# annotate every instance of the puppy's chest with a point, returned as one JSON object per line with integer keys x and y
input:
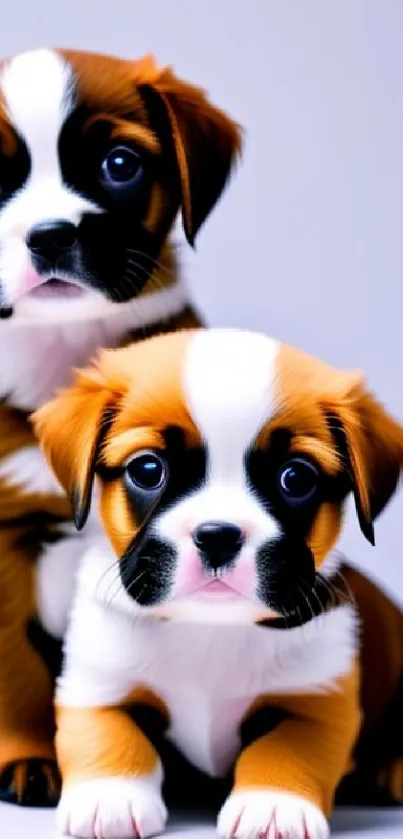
{"x": 208, "y": 681}
{"x": 206, "y": 729}
{"x": 209, "y": 678}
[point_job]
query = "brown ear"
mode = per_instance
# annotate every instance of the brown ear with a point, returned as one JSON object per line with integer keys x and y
{"x": 206, "y": 141}
{"x": 371, "y": 442}
{"x": 70, "y": 429}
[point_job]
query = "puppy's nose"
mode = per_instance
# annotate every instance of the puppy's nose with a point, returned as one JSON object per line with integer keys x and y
{"x": 51, "y": 238}
{"x": 218, "y": 541}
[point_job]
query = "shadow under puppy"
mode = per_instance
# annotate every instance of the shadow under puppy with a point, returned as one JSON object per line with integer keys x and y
{"x": 211, "y": 592}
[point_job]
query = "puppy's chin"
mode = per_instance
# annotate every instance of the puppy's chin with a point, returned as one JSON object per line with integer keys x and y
{"x": 60, "y": 305}
{"x": 213, "y": 610}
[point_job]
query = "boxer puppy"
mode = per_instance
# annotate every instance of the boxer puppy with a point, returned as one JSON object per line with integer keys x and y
{"x": 210, "y": 590}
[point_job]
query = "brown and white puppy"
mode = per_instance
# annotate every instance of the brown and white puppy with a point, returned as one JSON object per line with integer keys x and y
{"x": 97, "y": 155}
{"x": 223, "y": 461}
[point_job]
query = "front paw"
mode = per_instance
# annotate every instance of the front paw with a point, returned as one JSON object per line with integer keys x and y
{"x": 250, "y": 814}
{"x": 111, "y": 808}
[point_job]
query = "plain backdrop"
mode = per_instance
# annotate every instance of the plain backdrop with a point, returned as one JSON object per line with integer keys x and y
{"x": 307, "y": 242}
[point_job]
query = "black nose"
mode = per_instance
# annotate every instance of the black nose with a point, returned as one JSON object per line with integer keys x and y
{"x": 51, "y": 238}
{"x": 218, "y": 542}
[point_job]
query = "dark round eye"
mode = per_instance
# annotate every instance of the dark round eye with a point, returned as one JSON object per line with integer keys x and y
{"x": 147, "y": 471}
{"x": 298, "y": 480}
{"x": 121, "y": 167}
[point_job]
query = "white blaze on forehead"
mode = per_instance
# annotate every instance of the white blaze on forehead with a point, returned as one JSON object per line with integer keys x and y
{"x": 228, "y": 383}
{"x": 38, "y": 94}
{"x": 37, "y": 91}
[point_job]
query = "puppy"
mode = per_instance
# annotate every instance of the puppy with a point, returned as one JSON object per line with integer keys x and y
{"x": 211, "y": 592}
{"x": 97, "y": 156}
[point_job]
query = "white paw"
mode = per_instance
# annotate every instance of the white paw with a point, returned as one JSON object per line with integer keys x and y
{"x": 111, "y": 808}
{"x": 272, "y": 814}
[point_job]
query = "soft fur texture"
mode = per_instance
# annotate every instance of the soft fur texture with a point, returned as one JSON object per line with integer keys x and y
{"x": 210, "y": 594}
{"x": 97, "y": 157}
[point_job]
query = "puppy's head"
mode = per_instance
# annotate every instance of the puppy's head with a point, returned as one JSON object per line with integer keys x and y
{"x": 224, "y": 459}
{"x": 97, "y": 155}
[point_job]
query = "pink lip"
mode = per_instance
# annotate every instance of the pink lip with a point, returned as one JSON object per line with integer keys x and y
{"x": 56, "y": 288}
{"x": 34, "y": 285}
{"x": 216, "y": 588}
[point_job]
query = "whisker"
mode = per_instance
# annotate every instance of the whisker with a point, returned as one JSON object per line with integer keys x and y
{"x": 102, "y": 577}
{"x": 163, "y": 268}
{"x": 135, "y": 581}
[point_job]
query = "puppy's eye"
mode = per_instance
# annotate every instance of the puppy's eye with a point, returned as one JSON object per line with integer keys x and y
{"x": 121, "y": 168}
{"x": 147, "y": 471}
{"x": 297, "y": 480}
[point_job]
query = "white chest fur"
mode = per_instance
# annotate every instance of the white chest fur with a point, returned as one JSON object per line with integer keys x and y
{"x": 208, "y": 676}
{"x": 36, "y": 358}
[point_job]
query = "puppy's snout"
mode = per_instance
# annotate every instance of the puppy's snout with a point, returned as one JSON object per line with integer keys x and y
{"x": 52, "y": 238}
{"x": 218, "y": 542}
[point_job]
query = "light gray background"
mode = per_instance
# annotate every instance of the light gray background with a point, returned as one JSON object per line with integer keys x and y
{"x": 307, "y": 243}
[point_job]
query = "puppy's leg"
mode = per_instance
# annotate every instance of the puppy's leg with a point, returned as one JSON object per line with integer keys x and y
{"x": 285, "y": 781}
{"x": 28, "y": 772}
{"x": 112, "y": 775}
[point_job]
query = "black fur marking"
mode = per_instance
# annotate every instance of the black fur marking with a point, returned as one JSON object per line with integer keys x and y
{"x": 187, "y": 468}
{"x": 147, "y": 569}
{"x": 151, "y": 722}
{"x": 378, "y": 747}
{"x": 337, "y": 431}
{"x": 260, "y": 723}
{"x": 325, "y": 594}
{"x": 36, "y": 790}
{"x": 49, "y": 648}
{"x": 14, "y": 171}
{"x": 286, "y": 572}
{"x": 286, "y": 567}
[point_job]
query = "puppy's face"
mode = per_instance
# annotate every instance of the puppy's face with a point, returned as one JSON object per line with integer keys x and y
{"x": 97, "y": 155}
{"x": 224, "y": 459}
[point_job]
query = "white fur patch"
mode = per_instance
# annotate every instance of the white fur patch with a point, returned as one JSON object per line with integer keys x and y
{"x": 37, "y": 88}
{"x": 208, "y": 676}
{"x": 56, "y": 571}
{"x": 228, "y": 381}
{"x": 27, "y": 468}
{"x": 36, "y": 358}
{"x": 113, "y": 808}
{"x": 271, "y": 813}
{"x": 37, "y": 93}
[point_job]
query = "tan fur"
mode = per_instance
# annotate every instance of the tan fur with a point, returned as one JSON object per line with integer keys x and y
{"x": 101, "y": 742}
{"x": 374, "y": 439}
{"x": 308, "y": 753}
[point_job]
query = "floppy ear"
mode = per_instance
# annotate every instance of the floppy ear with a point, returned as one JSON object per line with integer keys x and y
{"x": 70, "y": 429}
{"x": 371, "y": 443}
{"x": 206, "y": 141}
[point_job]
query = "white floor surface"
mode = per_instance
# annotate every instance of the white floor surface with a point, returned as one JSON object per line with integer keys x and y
{"x": 16, "y": 823}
